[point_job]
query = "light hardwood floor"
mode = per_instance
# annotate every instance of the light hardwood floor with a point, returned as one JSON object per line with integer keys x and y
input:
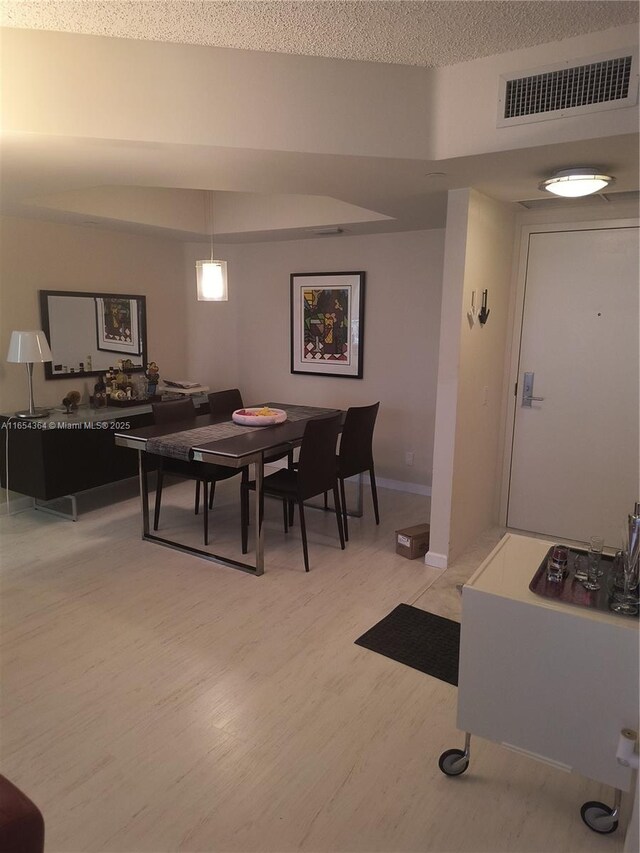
{"x": 152, "y": 701}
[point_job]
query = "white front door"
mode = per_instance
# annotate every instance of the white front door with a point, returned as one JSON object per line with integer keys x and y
{"x": 574, "y": 464}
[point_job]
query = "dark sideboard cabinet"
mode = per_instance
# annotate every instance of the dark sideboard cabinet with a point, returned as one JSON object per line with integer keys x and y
{"x": 77, "y": 453}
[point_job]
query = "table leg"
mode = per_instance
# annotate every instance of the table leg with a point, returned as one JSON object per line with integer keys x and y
{"x": 207, "y": 555}
{"x": 144, "y": 493}
{"x": 259, "y": 535}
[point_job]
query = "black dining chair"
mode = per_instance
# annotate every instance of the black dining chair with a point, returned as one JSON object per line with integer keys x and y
{"x": 315, "y": 473}
{"x": 225, "y": 402}
{"x": 355, "y": 455}
{"x": 183, "y": 411}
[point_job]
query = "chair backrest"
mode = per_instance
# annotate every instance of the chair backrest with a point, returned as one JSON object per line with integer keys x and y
{"x": 225, "y": 402}
{"x": 317, "y": 460}
{"x": 356, "y": 443}
{"x": 173, "y": 410}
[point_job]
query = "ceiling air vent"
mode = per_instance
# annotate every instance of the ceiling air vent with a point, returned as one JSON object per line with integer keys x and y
{"x": 598, "y": 199}
{"x": 556, "y": 203}
{"x": 592, "y": 85}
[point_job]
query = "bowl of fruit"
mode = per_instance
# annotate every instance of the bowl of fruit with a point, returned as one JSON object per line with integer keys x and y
{"x": 261, "y": 417}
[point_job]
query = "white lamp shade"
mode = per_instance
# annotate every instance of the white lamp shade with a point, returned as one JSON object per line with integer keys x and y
{"x": 28, "y": 347}
{"x": 212, "y": 281}
{"x": 574, "y": 183}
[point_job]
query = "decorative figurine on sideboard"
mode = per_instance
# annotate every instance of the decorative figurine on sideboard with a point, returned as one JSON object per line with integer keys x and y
{"x": 120, "y": 377}
{"x": 71, "y": 402}
{"x": 100, "y": 393}
{"x": 153, "y": 377}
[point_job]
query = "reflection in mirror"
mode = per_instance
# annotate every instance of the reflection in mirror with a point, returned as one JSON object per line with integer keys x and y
{"x": 90, "y": 332}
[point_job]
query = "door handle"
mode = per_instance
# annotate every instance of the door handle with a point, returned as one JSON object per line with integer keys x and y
{"x": 527, "y": 391}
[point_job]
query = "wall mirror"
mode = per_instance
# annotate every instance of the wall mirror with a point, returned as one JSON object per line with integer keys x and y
{"x": 90, "y": 332}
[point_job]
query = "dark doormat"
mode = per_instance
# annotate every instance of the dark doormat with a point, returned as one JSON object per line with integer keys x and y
{"x": 418, "y": 639}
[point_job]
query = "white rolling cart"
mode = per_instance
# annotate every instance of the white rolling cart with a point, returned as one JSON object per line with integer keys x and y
{"x": 552, "y": 680}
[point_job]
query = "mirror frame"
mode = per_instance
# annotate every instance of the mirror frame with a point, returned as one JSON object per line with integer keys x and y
{"x": 142, "y": 329}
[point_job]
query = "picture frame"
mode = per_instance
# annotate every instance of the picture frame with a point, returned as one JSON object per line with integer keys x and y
{"x": 327, "y": 323}
{"x": 117, "y": 324}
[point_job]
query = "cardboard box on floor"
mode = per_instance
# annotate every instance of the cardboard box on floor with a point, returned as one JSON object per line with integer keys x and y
{"x": 413, "y": 542}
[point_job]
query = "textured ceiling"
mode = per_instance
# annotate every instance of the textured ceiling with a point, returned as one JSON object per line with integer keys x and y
{"x": 141, "y": 184}
{"x": 429, "y": 34}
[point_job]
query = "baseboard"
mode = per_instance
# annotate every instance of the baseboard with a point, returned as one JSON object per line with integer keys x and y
{"x": 438, "y": 561}
{"x": 401, "y": 486}
{"x": 381, "y": 483}
{"x": 21, "y": 503}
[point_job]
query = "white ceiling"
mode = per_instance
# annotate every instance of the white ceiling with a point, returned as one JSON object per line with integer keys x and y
{"x": 55, "y": 177}
{"x": 431, "y": 33}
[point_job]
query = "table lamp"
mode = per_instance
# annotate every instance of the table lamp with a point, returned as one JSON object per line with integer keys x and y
{"x": 27, "y": 348}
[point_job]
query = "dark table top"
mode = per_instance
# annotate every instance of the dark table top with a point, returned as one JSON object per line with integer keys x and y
{"x": 248, "y": 444}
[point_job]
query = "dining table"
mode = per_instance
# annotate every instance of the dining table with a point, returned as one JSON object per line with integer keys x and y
{"x": 219, "y": 440}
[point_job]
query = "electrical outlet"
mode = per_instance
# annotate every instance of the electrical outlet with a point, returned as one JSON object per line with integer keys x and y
{"x": 408, "y": 457}
{"x": 485, "y": 395}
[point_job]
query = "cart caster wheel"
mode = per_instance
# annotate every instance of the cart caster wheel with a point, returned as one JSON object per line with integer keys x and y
{"x": 453, "y": 762}
{"x": 599, "y": 817}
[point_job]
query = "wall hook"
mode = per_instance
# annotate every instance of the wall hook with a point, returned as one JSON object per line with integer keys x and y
{"x": 483, "y": 313}
{"x": 472, "y": 314}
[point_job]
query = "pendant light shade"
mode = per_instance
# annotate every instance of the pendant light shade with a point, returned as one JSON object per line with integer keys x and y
{"x": 573, "y": 183}
{"x": 212, "y": 281}
{"x": 211, "y": 275}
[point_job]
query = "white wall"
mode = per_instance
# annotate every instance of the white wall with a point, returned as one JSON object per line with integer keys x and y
{"x": 466, "y": 97}
{"x": 471, "y": 378}
{"x": 213, "y": 334}
{"x": 245, "y": 342}
{"x": 173, "y": 93}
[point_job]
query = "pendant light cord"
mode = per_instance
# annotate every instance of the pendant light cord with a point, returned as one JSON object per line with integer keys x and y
{"x": 211, "y": 220}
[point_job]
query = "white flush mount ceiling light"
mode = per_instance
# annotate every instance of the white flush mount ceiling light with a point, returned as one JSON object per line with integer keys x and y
{"x": 573, "y": 183}
{"x": 211, "y": 275}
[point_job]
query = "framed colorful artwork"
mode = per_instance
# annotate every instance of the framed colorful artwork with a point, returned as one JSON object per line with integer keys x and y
{"x": 117, "y": 322}
{"x": 327, "y": 323}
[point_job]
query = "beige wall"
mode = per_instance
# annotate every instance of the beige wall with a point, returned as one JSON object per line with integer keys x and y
{"x": 447, "y": 384}
{"x": 483, "y": 366}
{"x": 174, "y": 93}
{"x": 471, "y": 378}
{"x": 38, "y": 255}
{"x": 245, "y": 342}
{"x": 147, "y": 90}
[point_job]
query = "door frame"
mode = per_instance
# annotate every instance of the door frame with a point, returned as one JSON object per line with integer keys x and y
{"x": 523, "y": 235}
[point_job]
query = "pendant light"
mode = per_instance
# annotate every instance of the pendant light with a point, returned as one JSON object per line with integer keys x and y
{"x": 211, "y": 274}
{"x": 573, "y": 183}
